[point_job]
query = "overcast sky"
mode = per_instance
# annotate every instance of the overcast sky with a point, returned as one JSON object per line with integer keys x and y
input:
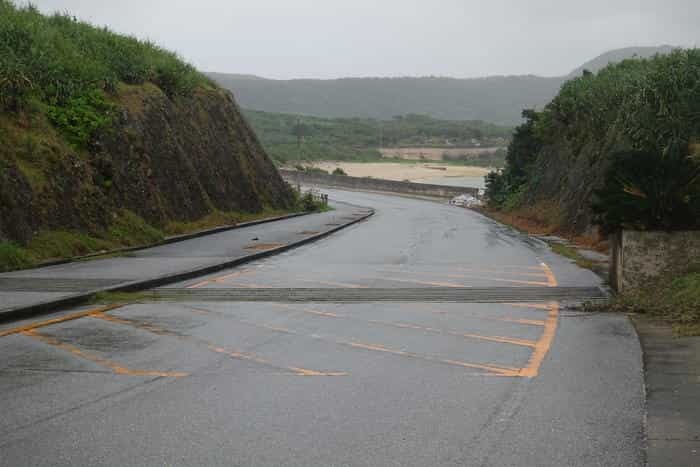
{"x": 337, "y": 38}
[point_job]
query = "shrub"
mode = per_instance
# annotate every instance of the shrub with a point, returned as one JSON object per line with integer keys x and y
{"x": 13, "y": 257}
{"x": 339, "y": 171}
{"x": 645, "y": 190}
{"x": 82, "y": 117}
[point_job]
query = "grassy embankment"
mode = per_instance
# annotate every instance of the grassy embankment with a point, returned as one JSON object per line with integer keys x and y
{"x": 59, "y": 85}
{"x": 616, "y": 150}
{"x": 673, "y": 299}
{"x": 291, "y": 138}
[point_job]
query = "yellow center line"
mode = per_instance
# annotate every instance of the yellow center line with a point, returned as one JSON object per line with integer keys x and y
{"x": 61, "y": 319}
{"x": 116, "y": 368}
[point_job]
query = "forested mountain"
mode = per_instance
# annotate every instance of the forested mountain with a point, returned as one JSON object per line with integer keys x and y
{"x": 498, "y": 99}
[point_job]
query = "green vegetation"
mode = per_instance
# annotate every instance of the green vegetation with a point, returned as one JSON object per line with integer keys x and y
{"x": 293, "y": 138}
{"x": 13, "y": 256}
{"x": 126, "y": 230}
{"x": 339, "y": 171}
{"x": 676, "y": 300}
{"x": 218, "y": 219}
{"x": 572, "y": 254}
{"x": 70, "y": 69}
{"x": 109, "y": 298}
{"x": 619, "y": 143}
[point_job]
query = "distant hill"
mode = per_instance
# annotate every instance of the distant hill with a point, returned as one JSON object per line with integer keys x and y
{"x": 618, "y": 55}
{"x": 498, "y": 99}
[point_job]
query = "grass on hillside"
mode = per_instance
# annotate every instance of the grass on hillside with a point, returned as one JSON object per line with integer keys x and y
{"x": 67, "y": 69}
{"x": 127, "y": 230}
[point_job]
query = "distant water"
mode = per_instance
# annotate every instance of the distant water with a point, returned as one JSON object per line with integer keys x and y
{"x": 474, "y": 182}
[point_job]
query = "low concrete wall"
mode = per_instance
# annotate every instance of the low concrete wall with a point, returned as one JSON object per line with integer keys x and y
{"x": 375, "y": 184}
{"x": 639, "y": 257}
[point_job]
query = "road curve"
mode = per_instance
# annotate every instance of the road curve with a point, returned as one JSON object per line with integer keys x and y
{"x": 437, "y": 338}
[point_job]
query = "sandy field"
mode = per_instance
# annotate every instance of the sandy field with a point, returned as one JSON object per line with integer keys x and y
{"x": 433, "y": 154}
{"x": 399, "y": 171}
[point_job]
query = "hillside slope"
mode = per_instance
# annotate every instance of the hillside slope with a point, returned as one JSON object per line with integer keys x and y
{"x": 616, "y": 149}
{"x": 116, "y": 146}
{"x": 497, "y": 99}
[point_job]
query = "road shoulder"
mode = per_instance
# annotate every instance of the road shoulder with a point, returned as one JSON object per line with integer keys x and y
{"x": 672, "y": 374}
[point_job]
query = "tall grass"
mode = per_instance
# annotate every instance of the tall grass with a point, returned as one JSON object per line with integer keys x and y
{"x": 58, "y": 58}
{"x": 71, "y": 66}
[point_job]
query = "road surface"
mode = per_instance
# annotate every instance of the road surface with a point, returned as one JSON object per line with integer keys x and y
{"x": 425, "y": 336}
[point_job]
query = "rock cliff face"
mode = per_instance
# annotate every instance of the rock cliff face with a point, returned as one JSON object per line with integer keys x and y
{"x": 163, "y": 159}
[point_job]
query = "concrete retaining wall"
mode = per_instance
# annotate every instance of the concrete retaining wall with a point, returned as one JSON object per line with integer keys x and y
{"x": 639, "y": 257}
{"x": 375, "y": 184}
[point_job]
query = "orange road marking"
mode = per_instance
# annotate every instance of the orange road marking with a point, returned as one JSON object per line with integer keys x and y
{"x": 437, "y": 284}
{"x": 536, "y": 306}
{"x": 543, "y": 345}
{"x": 61, "y": 319}
{"x": 233, "y": 354}
{"x": 551, "y": 280}
{"x": 220, "y": 279}
{"x": 502, "y": 340}
{"x": 498, "y": 271}
{"x": 453, "y": 276}
{"x": 339, "y": 284}
{"x": 261, "y": 361}
{"x": 521, "y": 267}
{"x": 503, "y": 371}
{"x": 533, "y": 322}
{"x": 457, "y": 269}
{"x": 116, "y": 369}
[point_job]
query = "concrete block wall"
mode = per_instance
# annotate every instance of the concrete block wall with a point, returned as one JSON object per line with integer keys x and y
{"x": 639, "y": 257}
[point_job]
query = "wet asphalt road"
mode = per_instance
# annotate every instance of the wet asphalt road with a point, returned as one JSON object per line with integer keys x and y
{"x": 195, "y": 381}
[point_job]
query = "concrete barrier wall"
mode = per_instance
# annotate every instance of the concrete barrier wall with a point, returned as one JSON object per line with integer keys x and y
{"x": 375, "y": 184}
{"x": 640, "y": 257}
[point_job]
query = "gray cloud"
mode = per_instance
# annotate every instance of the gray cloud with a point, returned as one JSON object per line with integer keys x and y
{"x": 333, "y": 38}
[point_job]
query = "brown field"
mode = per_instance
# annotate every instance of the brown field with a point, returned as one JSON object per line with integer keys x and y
{"x": 433, "y": 154}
